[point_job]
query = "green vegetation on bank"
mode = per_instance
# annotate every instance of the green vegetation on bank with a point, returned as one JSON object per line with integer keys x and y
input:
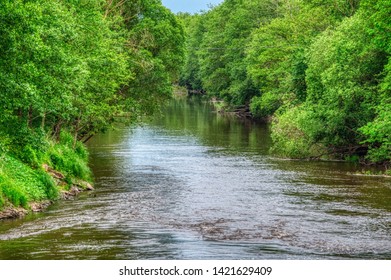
{"x": 69, "y": 69}
{"x": 320, "y": 69}
{"x": 24, "y": 179}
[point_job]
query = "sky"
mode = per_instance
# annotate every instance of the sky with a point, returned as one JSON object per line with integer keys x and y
{"x": 190, "y": 6}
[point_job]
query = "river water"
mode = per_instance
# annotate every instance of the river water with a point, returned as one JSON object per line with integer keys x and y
{"x": 193, "y": 184}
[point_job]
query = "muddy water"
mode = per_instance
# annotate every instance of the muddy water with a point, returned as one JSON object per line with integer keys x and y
{"x": 196, "y": 185}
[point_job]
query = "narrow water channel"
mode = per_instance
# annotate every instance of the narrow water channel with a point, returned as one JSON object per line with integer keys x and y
{"x": 193, "y": 184}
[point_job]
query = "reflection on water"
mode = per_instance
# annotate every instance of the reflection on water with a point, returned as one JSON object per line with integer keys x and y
{"x": 193, "y": 184}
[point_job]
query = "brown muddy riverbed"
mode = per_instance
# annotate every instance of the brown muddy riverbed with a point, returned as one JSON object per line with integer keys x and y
{"x": 193, "y": 184}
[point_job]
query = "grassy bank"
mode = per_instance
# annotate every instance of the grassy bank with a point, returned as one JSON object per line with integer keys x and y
{"x": 35, "y": 177}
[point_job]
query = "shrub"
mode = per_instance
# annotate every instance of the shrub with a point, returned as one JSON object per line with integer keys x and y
{"x": 81, "y": 151}
{"x": 265, "y": 105}
{"x": 377, "y": 134}
{"x": 68, "y": 160}
{"x": 292, "y": 134}
{"x": 30, "y": 156}
{"x": 47, "y": 181}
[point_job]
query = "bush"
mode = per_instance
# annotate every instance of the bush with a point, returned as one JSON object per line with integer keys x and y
{"x": 66, "y": 139}
{"x": 81, "y": 151}
{"x": 68, "y": 160}
{"x": 265, "y": 105}
{"x": 377, "y": 134}
{"x": 30, "y": 156}
{"x": 47, "y": 181}
{"x": 292, "y": 134}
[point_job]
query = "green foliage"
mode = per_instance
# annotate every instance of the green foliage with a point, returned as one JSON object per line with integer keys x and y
{"x": 5, "y": 143}
{"x": 190, "y": 75}
{"x": 265, "y": 105}
{"x": 377, "y": 135}
{"x": 245, "y": 49}
{"x": 21, "y": 184}
{"x": 48, "y": 183}
{"x": 343, "y": 76}
{"x": 155, "y": 40}
{"x": 292, "y": 134}
{"x": 276, "y": 59}
{"x": 342, "y": 79}
{"x": 216, "y": 49}
{"x": 29, "y": 156}
{"x": 2, "y": 202}
{"x": 377, "y": 13}
{"x": 13, "y": 193}
{"x": 64, "y": 158}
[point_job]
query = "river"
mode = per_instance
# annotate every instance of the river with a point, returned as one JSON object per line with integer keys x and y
{"x": 193, "y": 184}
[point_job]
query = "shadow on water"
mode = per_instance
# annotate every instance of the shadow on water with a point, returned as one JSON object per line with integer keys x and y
{"x": 193, "y": 184}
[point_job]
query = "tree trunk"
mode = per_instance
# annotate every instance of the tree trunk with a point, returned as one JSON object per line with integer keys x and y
{"x": 57, "y": 129}
{"x": 88, "y": 138}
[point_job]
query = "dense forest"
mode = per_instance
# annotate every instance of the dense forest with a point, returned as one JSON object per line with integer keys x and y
{"x": 320, "y": 70}
{"x": 69, "y": 69}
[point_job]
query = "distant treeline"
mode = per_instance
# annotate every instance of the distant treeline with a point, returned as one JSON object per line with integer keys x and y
{"x": 320, "y": 68}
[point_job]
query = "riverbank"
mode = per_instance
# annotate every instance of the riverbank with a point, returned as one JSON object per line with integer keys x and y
{"x": 298, "y": 149}
{"x": 38, "y": 177}
{"x": 12, "y": 209}
{"x": 12, "y": 212}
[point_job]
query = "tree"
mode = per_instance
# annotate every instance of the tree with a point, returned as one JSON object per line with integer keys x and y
{"x": 155, "y": 41}
{"x": 277, "y": 53}
{"x": 195, "y": 29}
{"x": 345, "y": 72}
{"x": 216, "y": 52}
